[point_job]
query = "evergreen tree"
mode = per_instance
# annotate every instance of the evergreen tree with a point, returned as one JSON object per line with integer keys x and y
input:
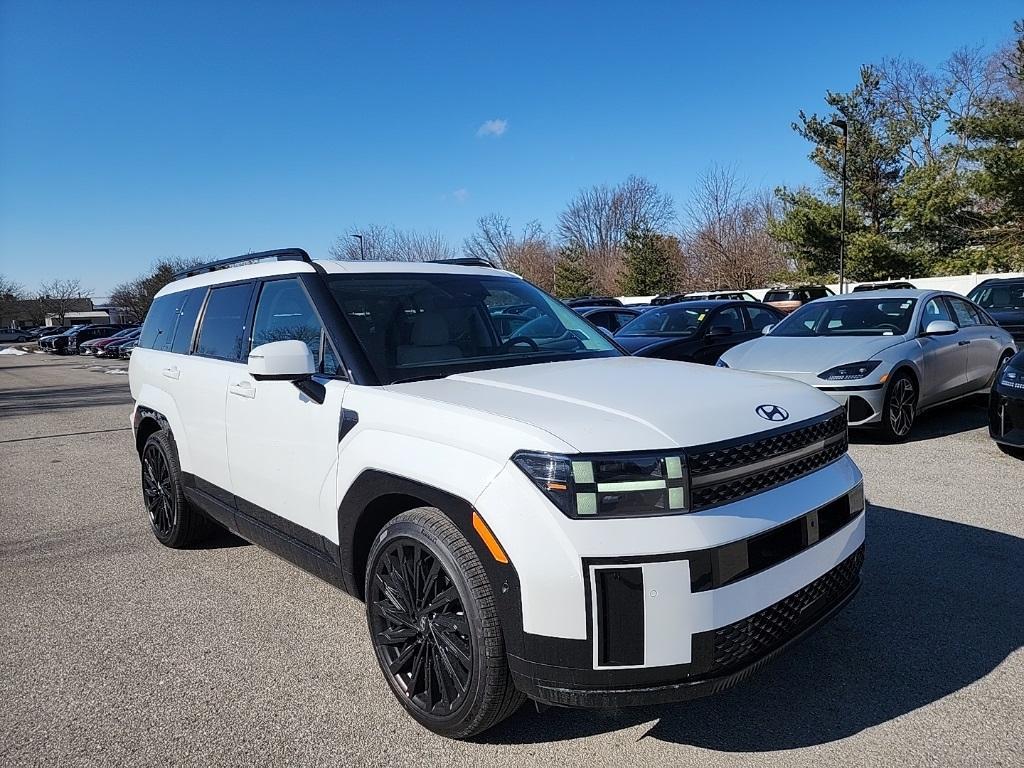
{"x": 651, "y": 263}
{"x": 573, "y": 274}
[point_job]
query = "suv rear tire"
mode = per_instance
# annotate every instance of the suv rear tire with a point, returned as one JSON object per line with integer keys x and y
{"x": 173, "y": 520}
{"x": 434, "y": 626}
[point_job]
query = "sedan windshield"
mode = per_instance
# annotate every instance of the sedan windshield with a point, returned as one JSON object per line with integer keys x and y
{"x": 849, "y": 317}
{"x": 672, "y": 320}
{"x": 431, "y": 325}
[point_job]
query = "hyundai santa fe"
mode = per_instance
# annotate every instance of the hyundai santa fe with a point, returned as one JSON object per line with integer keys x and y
{"x": 525, "y": 510}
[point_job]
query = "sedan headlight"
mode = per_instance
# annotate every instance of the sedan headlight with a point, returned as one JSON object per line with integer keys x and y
{"x": 1012, "y": 378}
{"x": 610, "y": 485}
{"x": 850, "y": 371}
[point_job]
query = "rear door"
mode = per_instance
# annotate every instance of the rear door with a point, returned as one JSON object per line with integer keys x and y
{"x": 283, "y": 446}
{"x": 201, "y": 381}
{"x": 712, "y": 347}
{"x": 983, "y": 348}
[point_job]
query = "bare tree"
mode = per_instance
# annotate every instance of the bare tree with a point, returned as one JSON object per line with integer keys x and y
{"x": 529, "y": 254}
{"x": 726, "y": 242}
{"x": 59, "y": 296}
{"x": 11, "y": 294}
{"x": 381, "y": 243}
{"x": 135, "y": 296}
{"x": 598, "y": 219}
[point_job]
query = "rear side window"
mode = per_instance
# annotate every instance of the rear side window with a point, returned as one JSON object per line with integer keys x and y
{"x": 159, "y": 325}
{"x": 187, "y": 313}
{"x": 222, "y": 334}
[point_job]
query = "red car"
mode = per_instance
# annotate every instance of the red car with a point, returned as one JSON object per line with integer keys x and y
{"x": 96, "y": 346}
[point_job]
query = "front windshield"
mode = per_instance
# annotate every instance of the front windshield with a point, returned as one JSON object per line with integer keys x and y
{"x": 849, "y": 317}
{"x": 675, "y": 320}
{"x": 431, "y": 325}
{"x": 999, "y": 296}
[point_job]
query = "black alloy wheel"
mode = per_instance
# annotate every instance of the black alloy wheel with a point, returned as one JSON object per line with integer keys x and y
{"x": 435, "y": 628}
{"x": 174, "y": 521}
{"x": 420, "y": 628}
{"x": 156, "y": 488}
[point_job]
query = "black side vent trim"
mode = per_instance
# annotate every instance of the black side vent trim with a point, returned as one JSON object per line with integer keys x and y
{"x": 620, "y": 616}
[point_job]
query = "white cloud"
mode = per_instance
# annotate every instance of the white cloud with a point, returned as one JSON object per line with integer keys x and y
{"x": 494, "y": 128}
{"x": 460, "y": 194}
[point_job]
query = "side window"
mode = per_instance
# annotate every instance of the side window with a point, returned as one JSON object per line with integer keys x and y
{"x": 329, "y": 366}
{"x": 186, "y": 325}
{"x": 729, "y": 318}
{"x": 159, "y": 325}
{"x": 966, "y": 317}
{"x": 935, "y": 309}
{"x": 284, "y": 313}
{"x": 759, "y": 318}
{"x": 222, "y": 334}
{"x": 621, "y": 318}
{"x": 604, "y": 320}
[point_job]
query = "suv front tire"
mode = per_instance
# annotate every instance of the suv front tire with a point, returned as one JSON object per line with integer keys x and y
{"x": 434, "y": 626}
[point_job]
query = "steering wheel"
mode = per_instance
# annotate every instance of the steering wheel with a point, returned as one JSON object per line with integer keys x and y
{"x": 515, "y": 340}
{"x": 895, "y": 328}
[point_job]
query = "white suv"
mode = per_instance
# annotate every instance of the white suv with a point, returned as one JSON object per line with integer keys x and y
{"x": 525, "y": 510}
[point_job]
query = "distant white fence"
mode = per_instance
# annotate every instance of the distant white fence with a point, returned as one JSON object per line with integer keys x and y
{"x": 961, "y": 284}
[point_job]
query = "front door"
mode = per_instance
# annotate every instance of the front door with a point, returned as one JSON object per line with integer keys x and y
{"x": 282, "y": 445}
{"x": 944, "y": 357}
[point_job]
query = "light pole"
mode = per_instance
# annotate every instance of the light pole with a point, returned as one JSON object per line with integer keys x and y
{"x": 842, "y": 125}
{"x": 362, "y": 252}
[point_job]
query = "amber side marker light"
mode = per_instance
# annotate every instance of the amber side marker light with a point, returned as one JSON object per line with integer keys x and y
{"x": 488, "y": 538}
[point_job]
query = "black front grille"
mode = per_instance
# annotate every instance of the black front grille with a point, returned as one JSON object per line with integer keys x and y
{"x": 706, "y": 492}
{"x": 744, "y": 642}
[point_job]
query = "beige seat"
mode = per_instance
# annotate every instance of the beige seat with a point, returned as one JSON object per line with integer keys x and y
{"x": 430, "y": 339}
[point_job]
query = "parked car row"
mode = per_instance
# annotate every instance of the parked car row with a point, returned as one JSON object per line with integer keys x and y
{"x": 102, "y": 340}
{"x": 884, "y": 352}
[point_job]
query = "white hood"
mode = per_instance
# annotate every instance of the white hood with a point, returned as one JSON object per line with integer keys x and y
{"x": 805, "y": 354}
{"x": 627, "y": 403}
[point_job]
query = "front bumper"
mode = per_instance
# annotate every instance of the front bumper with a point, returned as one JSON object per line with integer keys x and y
{"x": 722, "y": 657}
{"x": 1006, "y": 416}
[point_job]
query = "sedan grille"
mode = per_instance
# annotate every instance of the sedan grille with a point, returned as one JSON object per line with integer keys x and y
{"x": 745, "y": 641}
{"x": 724, "y": 473}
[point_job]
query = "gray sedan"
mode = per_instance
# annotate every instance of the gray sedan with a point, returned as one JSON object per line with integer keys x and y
{"x": 885, "y": 355}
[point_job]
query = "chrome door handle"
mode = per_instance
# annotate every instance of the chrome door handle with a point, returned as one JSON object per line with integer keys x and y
{"x": 243, "y": 389}
{"x": 171, "y": 373}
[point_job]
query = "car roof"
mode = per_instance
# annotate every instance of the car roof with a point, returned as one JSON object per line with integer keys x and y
{"x": 329, "y": 266}
{"x": 888, "y": 293}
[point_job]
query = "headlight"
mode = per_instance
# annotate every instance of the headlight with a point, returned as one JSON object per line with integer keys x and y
{"x": 610, "y": 485}
{"x": 1012, "y": 378}
{"x": 720, "y": 363}
{"x": 850, "y": 372}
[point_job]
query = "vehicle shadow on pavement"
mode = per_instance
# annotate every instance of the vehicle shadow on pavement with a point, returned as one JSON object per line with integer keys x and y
{"x": 940, "y": 608}
{"x": 21, "y": 402}
{"x": 945, "y": 420}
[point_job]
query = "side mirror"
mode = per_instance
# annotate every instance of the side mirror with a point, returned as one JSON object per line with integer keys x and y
{"x": 768, "y": 329}
{"x": 718, "y": 331}
{"x": 281, "y": 361}
{"x": 940, "y": 328}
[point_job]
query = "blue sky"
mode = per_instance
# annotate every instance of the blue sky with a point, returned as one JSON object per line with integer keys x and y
{"x": 132, "y": 131}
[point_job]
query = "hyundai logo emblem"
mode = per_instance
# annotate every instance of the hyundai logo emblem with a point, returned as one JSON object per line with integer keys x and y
{"x": 772, "y": 412}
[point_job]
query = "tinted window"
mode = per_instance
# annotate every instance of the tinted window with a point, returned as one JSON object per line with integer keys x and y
{"x": 849, "y": 317}
{"x": 760, "y": 317}
{"x": 966, "y": 315}
{"x": 222, "y": 333}
{"x": 999, "y": 296}
{"x": 729, "y": 318}
{"x": 673, "y": 320}
{"x": 781, "y": 296}
{"x": 284, "y": 313}
{"x": 187, "y": 313}
{"x": 159, "y": 325}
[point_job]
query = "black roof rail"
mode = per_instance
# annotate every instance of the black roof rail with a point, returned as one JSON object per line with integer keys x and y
{"x": 465, "y": 261}
{"x": 281, "y": 254}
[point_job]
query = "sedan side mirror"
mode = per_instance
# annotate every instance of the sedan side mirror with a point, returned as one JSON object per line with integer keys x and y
{"x": 940, "y": 328}
{"x": 718, "y": 331}
{"x": 768, "y": 329}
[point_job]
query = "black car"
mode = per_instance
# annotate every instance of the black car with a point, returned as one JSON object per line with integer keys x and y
{"x": 1003, "y": 299}
{"x": 696, "y": 331}
{"x": 68, "y": 343}
{"x": 1006, "y": 407}
{"x": 889, "y": 285}
{"x": 48, "y": 337}
{"x": 609, "y": 318}
{"x": 592, "y": 301}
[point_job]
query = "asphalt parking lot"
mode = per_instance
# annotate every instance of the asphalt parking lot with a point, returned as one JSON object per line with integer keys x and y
{"x": 114, "y": 650}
